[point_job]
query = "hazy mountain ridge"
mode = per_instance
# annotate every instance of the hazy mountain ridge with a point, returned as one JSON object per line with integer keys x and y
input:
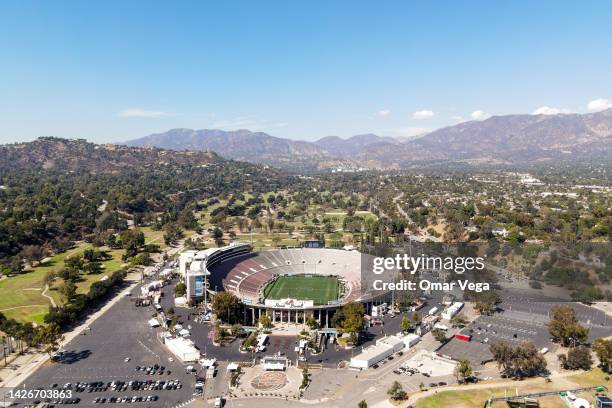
{"x": 262, "y": 148}
{"x": 339, "y": 147}
{"x": 510, "y": 139}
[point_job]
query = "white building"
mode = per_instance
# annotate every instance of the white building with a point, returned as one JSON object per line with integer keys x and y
{"x": 410, "y": 339}
{"x": 452, "y": 310}
{"x": 151, "y": 287}
{"x": 193, "y": 265}
{"x": 379, "y": 310}
{"x": 427, "y": 323}
{"x": 500, "y": 232}
{"x": 274, "y": 363}
{"x": 183, "y": 349}
{"x": 383, "y": 348}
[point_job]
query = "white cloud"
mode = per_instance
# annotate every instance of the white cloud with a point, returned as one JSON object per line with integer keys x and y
{"x": 547, "y": 110}
{"x": 423, "y": 114}
{"x": 479, "y": 115}
{"x": 143, "y": 113}
{"x": 249, "y": 123}
{"x": 599, "y": 104}
{"x": 458, "y": 118}
{"x": 384, "y": 113}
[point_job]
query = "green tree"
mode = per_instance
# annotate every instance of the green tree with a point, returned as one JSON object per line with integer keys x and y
{"x": 186, "y": 219}
{"x": 439, "y": 335}
{"x": 217, "y": 233}
{"x": 405, "y": 324}
{"x": 603, "y": 349}
{"x": 49, "y": 337}
{"x": 521, "y": 360}
{"x": 362, "y": 404}
{"x": 264, "y": 321}
{"x": 565, "y": 328}
{"x": 463, "y": 370}
{"x": 353, "y": 317}
{"x": 172, "y": 233}
{"x": 180, "y": 289}
{"x": 227, "y": 307}
{"x": 577, "y": 358}
{"x": 33, "y": 253}
{"x": 396, "y": 392}
{"x": 68, "y": 290}
{"x": 49, "y": 278}
{"x": 276, "y": 240}
{"x": 459, "y": 320}
{"x": 312, "y": 322}
{"x": 485, "y": 302}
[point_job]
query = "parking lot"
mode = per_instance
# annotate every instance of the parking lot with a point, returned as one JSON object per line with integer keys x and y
{"x": 99, "y": 367}
{"x": 521, "y": 320}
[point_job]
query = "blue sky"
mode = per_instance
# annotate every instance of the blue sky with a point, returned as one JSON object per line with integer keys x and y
{"x": 118, "y": 70}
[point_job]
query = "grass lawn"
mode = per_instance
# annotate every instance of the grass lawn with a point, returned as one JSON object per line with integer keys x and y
{"x": 319, "y": 289}
{"x": 21, "y": 296}
{"x": 475, "y": 398}
{"x": 154, "y": 237}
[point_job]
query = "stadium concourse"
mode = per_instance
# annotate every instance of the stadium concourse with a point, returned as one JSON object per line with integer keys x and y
{"x": 289, "y": 285}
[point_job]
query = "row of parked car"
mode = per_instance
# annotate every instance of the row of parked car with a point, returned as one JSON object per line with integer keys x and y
{"x": 53, "y": 403}
{"x": 153, "y": 370}
{"x": 438, "y": 384}
{"x": 119, "y": 386}
{"x": 155, "y": 385}
{"x": 406, "y": 371}
{"x": 126, "y": 400}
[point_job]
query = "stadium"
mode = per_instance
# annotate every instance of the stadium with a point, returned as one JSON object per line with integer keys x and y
{"x": 289, "y": 285}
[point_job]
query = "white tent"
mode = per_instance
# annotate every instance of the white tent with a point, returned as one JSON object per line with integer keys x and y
{"x": 153, "y": 323}
{"x": 208, "y": 362}
{"x": 232, "y": 367}
{"x": 165, "y": 272}
{"x": 183, "y": 349}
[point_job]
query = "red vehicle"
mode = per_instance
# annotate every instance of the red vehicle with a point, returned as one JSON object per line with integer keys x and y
{"x": 463, "y": 337}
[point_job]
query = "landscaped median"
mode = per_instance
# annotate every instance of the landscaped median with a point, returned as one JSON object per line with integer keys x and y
{"x": 474, "y": 396}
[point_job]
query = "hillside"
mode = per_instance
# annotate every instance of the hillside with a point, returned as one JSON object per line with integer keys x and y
{"x": 80, "y": 155}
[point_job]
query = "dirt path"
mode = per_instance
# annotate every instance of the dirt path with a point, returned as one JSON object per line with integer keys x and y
{"x": 21, "y": 307}
{"x": 45, "y": 294}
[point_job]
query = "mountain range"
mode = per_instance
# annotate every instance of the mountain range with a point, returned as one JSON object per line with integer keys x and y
{"x": 508, "y": 139}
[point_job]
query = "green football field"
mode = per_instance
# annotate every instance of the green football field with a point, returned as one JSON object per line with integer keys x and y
{"x": 319, "y": 289}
